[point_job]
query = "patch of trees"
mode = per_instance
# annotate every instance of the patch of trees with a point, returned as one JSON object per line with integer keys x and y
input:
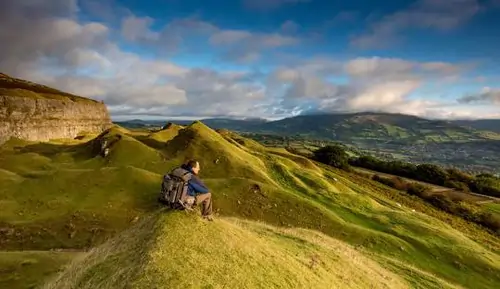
{"x": 458, "y": 207}
{"x": 332, "y": 155}
{"x": 485, "y": 184}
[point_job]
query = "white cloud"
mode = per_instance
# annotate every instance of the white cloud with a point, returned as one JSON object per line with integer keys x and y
{"x": 487, "y": 95}
{"x": 286, "y": 75}
{"x": 373, "y": 84}
{"x": 379, "y": 67}
{"x": 312, "y": 87}
{"x": 382, "y": 95}
{"x": 441, "y": 15}
{"x": 137, "y": 29}
{"x": 237, "y": 45}
{"x": 54, "y": 36}
{"x": 82, "y": 58}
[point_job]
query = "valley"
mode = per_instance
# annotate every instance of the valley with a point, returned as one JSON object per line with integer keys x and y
{"x": 388, "y": 136}
{"x": 91, "y": 220}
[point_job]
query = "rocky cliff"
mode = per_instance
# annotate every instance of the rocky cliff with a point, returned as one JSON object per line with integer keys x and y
{"x": 36, "y": 112}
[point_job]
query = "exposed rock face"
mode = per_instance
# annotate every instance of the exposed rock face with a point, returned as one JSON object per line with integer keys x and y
{"x": 38, "y": 113}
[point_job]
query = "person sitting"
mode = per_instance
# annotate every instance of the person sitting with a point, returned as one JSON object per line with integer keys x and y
{"x": 198, "y": 190}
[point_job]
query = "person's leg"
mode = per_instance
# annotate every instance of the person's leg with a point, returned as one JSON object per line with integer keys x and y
{"x": 206, "y": 201}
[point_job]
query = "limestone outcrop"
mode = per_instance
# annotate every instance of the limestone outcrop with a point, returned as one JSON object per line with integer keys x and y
{"x": 36, "y": 112}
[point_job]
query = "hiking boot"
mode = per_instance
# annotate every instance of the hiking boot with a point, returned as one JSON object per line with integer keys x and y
{"x": 208, "y": 218}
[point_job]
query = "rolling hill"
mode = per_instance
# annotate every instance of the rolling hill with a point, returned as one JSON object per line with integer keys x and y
{"x": 368, "y": 127}
{"x": 388, "y": 136}
{"x": 363, "y": 127}
{"x": 215, "y": 123}
{"x": 85, "y": 211}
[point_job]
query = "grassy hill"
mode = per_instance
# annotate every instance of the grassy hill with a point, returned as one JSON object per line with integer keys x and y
{"x": 385, "y": 135}
{"x": 289, "y": 222}
{"x": 19, "y": 87}
{"x": 397, "y": 128}
{"x": 230, "y": 252}
{"x": 355, "y": 127}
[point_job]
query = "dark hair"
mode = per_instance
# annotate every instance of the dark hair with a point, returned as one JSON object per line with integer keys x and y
{"x": 192, "y": 163}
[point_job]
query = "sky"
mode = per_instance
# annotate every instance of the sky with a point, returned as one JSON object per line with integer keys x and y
{"x": 261, "y": 58}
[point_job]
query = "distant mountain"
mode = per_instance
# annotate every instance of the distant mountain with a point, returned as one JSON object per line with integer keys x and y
{"x": 235, "y": 124}
{"x": 368, "y": 127}
{"x": 215, "y": 123}
{"x": 139, "y": 123}
{"x": 480, "y": 124}
{"x": 350, "y": 127}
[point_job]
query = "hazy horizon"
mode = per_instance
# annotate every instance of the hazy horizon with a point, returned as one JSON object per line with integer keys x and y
{"x": 193, "y": 118}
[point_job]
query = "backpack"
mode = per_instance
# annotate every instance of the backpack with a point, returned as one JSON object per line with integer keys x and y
{"x": 174, "y": 189}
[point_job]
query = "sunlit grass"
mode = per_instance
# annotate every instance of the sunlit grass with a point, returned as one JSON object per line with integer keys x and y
{"x": 272, "y": 207}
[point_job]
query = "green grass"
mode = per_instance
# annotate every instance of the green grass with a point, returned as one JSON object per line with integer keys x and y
{"x": 66, "y": 195}
{"x": 493, "y": 207}
{"x": 77, "y": 209}
{"x": 30, "y": 269}
{"x": 229, "y": 253}
{"x": 166, "y": 134}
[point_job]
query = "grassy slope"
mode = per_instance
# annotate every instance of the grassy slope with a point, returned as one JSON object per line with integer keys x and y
{"x": 423, "y": 248}
{"x": 493, "y": 207}
{"x": 476, "y": 198}
{"x": 70, "y": 197}
{"x": 229, "y": 253}
{"x": 29, "y": 269}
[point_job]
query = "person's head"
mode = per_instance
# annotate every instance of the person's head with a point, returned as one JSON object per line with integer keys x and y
{"x": 194, "y": 165}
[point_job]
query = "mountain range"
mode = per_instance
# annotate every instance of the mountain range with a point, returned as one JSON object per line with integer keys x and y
{"x": 481, "y": 124}
{"x": 356, "y": 127}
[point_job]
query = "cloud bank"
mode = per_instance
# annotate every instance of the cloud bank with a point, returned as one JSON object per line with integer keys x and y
{"x": 440, "y": 15}
{"x": 90, "y": 58}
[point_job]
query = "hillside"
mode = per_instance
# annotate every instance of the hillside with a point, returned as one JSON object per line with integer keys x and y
{"x": 389, "y": 136}
{"x": 354, "y": 127}
{"x": 480, "y": 124}
{"x": 215, "y": 123}
{"x": 372, "y": 127}
{"x": 36, "y": 112}
{"x": 282, "y": 221}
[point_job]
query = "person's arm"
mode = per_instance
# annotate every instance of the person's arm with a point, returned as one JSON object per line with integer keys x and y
{"x": 198, "y": 186}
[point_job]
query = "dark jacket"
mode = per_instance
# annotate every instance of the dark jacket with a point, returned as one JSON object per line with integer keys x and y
{"x": 195, "y": 185}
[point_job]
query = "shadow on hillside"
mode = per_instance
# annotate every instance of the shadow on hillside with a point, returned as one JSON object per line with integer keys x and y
{"x": 152, "y": 143}
{"x": 79, "y": 151}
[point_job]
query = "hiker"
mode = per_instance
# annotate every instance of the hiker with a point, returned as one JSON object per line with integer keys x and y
{"x": 198, "y": 190}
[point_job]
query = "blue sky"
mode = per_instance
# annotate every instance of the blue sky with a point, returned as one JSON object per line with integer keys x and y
{"x": 272, "y": 59}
